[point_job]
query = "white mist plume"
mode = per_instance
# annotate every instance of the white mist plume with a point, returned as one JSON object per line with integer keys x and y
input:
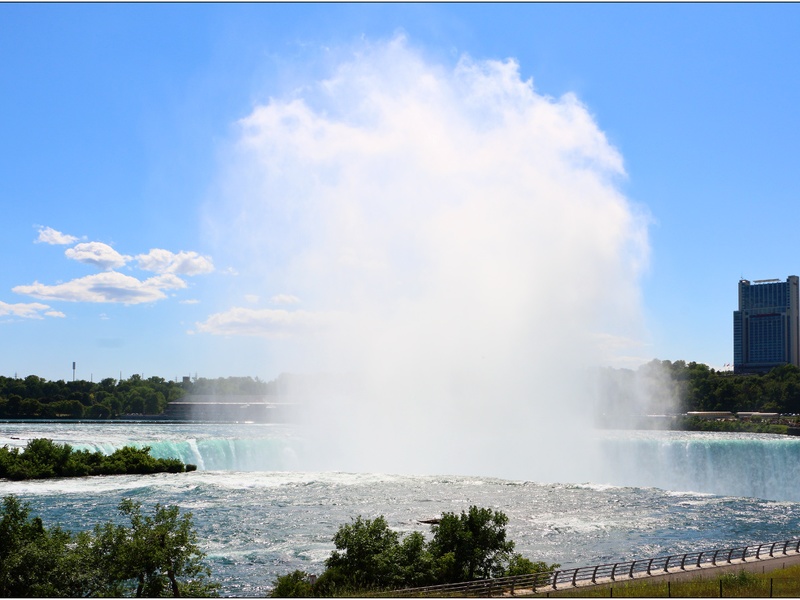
{"x": 467, "y": 243}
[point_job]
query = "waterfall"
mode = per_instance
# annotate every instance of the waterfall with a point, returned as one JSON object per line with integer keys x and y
{"x": 215, "y": 454}
{"x": 726, "y": 464}
{"x": 759, "y": 466}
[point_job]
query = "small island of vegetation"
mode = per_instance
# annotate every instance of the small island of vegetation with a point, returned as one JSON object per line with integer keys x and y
{"x": 42, "y": 459}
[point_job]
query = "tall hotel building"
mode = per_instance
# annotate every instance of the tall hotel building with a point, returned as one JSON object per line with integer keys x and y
{"x": 766, "y": 328}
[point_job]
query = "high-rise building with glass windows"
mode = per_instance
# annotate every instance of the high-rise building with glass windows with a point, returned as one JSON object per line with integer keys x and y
{"x": 766, "y": 328}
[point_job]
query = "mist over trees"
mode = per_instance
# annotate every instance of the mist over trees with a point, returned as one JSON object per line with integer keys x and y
{"x": 235, "y": 386}
{"x": 665, "y": 387}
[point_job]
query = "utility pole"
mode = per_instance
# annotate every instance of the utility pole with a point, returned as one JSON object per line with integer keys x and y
{"x": 73, "y": 370}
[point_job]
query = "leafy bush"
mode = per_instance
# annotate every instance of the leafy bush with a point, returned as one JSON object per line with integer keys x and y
{"x": 477, "y": 541}
{"x": 366, "y": 551}
{"x": 296, "y": 584}
{"x": 742, "y": 578}
{"x": 519, "y": 565}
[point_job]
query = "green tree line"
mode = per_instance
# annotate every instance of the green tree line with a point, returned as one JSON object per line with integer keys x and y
{"x": 33, "y": 397}
{"x": 43, "y": 459}
{"x": 370, "y": 557}
{"x": 153, "y": 555}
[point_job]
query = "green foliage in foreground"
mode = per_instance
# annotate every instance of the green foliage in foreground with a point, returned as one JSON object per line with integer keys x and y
{"x": 369, "y": 556}
{"x": 154, "y": 556}
{"x": 42, "y": 459}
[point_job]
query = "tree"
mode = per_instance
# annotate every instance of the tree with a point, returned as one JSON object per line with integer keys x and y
{"x": 416, "y": 564}
{"x": 135, "y": 402}
{"x": 73, "y": 408}
{"x": 366, "y": 553}
{"x": 519, "y": 565}
{"x": 108, "y": 384}
{"x": 160, "y": 552}
{"x": 33, "y": 560}
{"x": 296, "y": 584}
{"x": 13, "y": 407}
{"x": 16, "y": 530}
{"x": 33, "y": 386}
{"x": 46, "y": 457}
{"x": 154, "y": 403}
{"x": 475, "y": 541}
{"x": 155, "y": 556}
{"x": 30, "y": 408}
{"x": 97, "y": 411}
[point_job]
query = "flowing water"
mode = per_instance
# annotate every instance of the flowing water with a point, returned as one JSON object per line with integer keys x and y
{"x": 260, "y": 511}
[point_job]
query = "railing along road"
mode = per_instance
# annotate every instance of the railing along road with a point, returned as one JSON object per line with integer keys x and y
{"x": 611, "y": 572}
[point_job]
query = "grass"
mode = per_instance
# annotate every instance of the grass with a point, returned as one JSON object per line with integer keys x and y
{"x": 781, "y": 583}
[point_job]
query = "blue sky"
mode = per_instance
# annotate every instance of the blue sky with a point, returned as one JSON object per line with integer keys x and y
{"x": 138, "y": 175}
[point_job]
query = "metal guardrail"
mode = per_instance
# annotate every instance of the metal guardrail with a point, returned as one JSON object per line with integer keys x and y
{"x": 606, "y": 573}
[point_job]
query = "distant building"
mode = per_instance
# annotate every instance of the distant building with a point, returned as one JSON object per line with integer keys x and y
{"x": 766, "y": 328}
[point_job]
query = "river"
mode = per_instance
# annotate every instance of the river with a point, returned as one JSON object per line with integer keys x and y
{"x": 260, "y": 511}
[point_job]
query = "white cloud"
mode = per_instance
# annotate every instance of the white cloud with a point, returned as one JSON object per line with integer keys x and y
{"x": 190, "y": 301}
{"x": 32, "y": 310}
{"x": 48, "y": 235}
{"x": 98, "y": 254}
{"x": 252, "y": 298}
{"x": 182, "y": 263}
{"x": 284, "y": 299}
{"x": 262, "y": 322}
{"x": 110, "y": 286}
